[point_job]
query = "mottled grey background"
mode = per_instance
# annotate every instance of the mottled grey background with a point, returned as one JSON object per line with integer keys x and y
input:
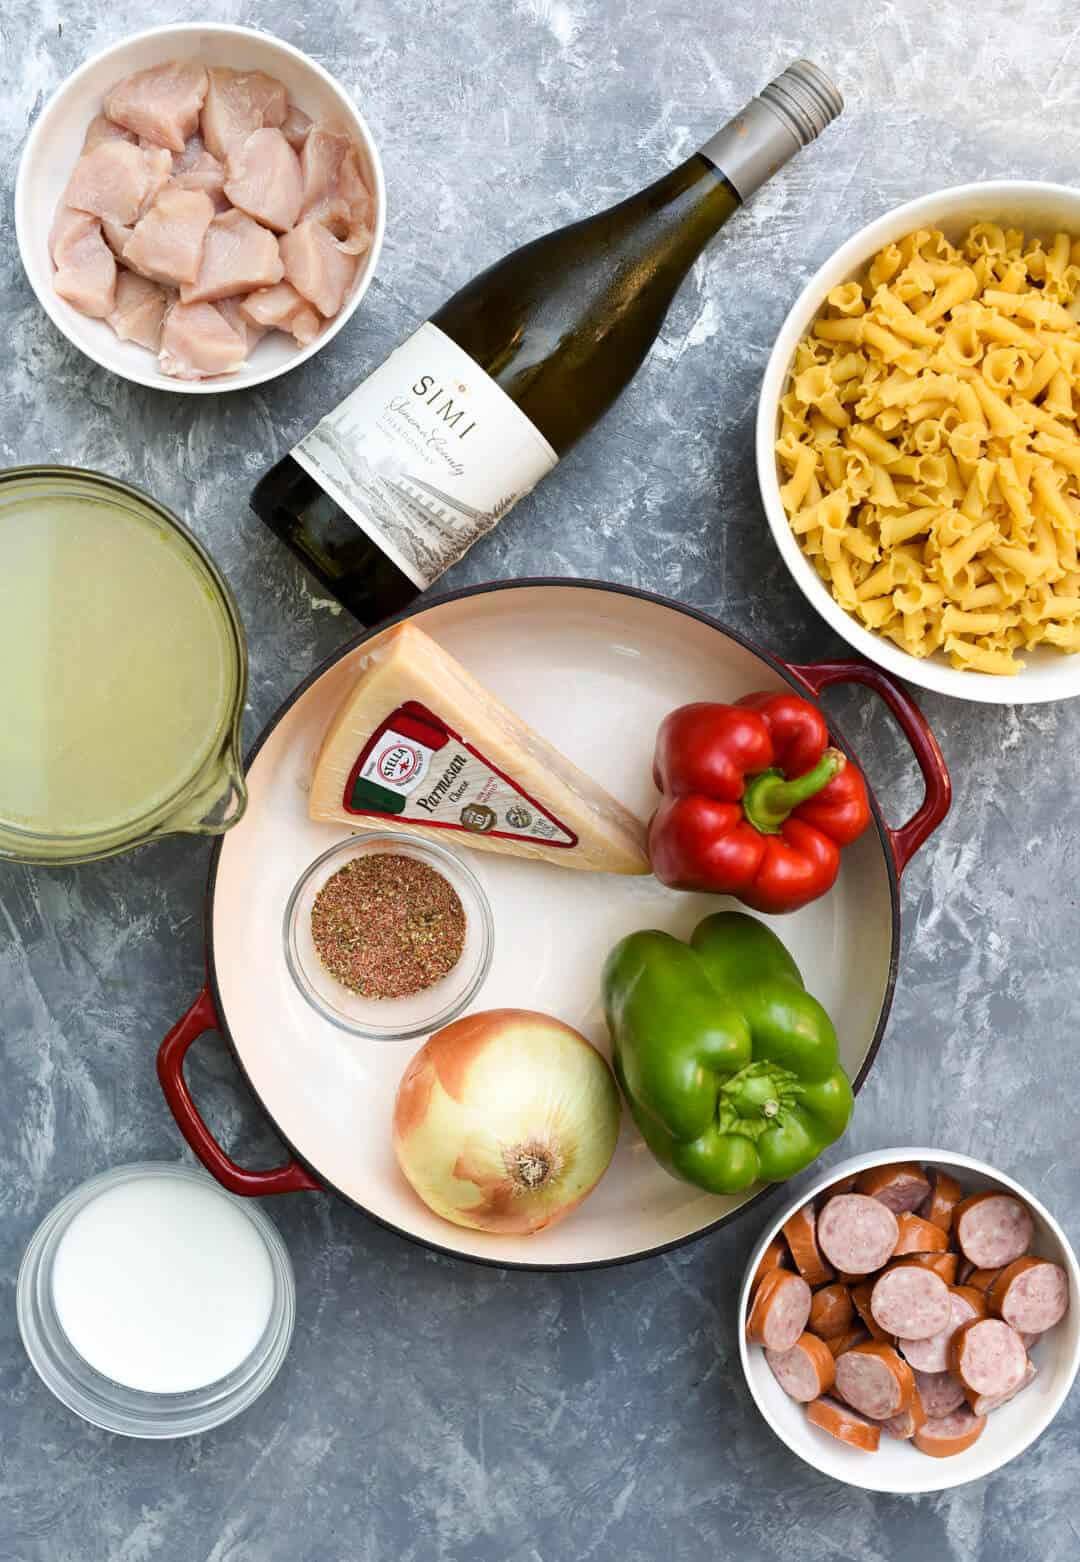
{"x": 428, "y": 1409}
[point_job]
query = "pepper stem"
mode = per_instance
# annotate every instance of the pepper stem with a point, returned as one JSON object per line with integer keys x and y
{"x": 755, "y": 1098}
{"x": 770, "y": 797}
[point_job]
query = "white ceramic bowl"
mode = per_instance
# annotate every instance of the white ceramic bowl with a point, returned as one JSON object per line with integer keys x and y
{"x": 897, "y": 1466}
{"x": 1042, "y": 208}
{"x": 53, "y": 146}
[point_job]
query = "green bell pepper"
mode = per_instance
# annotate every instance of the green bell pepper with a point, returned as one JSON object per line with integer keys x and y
{"x": 728, "y": 1064}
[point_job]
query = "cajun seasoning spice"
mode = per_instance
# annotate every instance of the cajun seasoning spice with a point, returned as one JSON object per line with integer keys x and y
{"x": 387, "y": 926}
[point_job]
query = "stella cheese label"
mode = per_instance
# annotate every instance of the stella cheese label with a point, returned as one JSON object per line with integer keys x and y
{"x": 417, "y": 769}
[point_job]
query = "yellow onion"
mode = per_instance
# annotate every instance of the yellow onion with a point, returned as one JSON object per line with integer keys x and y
{"x": 505, "y": 1120}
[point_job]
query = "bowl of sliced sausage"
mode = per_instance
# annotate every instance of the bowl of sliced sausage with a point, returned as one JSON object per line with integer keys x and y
{"x": 912, "y": 1322}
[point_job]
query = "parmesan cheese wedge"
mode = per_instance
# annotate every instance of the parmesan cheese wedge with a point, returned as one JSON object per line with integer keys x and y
{"x": 421, "y": 746}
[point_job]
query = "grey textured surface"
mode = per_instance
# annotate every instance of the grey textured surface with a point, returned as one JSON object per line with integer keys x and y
{"x": 428, "y": 1409}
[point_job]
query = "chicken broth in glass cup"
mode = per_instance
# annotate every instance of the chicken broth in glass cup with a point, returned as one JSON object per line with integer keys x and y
{"x": 122, "y": 672}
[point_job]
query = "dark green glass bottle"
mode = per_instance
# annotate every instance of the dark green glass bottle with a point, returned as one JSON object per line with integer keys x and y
{"x": 467, "y": 415}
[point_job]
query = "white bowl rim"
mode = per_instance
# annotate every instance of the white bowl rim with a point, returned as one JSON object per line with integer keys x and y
{"x": 985, "y": 688}
{"x": 220, "y": 384}
{"x": 944, "y": 1474}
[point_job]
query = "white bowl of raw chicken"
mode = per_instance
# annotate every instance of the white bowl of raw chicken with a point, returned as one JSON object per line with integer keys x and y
{"x": 52, "y": 151}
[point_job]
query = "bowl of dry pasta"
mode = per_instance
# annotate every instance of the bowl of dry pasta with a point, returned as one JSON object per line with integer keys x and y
{"x": 918, "y": 441}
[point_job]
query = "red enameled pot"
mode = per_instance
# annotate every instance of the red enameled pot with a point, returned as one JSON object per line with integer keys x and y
{"x": 594, "y": 667}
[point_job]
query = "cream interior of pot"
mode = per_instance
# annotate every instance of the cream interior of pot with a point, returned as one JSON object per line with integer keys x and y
{"x": 594, "y": 671}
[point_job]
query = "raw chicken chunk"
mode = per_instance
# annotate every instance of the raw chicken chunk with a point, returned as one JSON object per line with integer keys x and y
{"x": 85, "y": 265}
{"x": 159, "y": 171}
{"x": 116, "y": 236}
{"x": 198, "y": 169}
{"x": 197, "y": 341}
{"x": 295, "y": 127}
{"x": 116, "y": 180}
{"x": 161, "y": 104}
{"x": 237, "y": 104}
{"x": 334, "y": 191}
{"x": 101, "y": 129}
{"x": 232, "y": 309}
{"x": 167, "y": 243}
{"x": 192, "y": 156}
{"x": 305, "y": 325}
{"x": 262, "y": 178}
{"x": 283, "y": 308}
{"x": 272, "y": 306}
{"x": 318, "y": 266}
{"x": 237, "y": 256}
{"x": 209, "y": 177}
{"x": 140, "y": 306}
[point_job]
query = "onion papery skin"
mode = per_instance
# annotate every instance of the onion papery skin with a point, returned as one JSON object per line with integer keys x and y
{"x": 505, "y": 1120}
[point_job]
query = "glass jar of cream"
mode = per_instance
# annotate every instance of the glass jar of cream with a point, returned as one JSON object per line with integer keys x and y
{"x": 155, "y": 1304}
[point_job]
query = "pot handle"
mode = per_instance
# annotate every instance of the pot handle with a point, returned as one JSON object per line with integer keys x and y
{"x": 202, "y": 1016}
{"x": 913, "y": 724}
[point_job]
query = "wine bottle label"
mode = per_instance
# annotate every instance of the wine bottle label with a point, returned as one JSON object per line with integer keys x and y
{"x": 416, "y": 769}
{"x": 426, "y": 455}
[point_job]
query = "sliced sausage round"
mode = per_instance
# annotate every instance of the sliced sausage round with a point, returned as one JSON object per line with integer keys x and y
{"x": 846, "y": 1424}
{"x": 993, "y": 1229}
{"x": 940, "y": 1392}
{"x": 975, "y": 1297}
{"x": 775, "y": 1256}
{"x": 847, "y": 1341}
{"x": 910, "y": 1302}
{"x": 982, "y": 1404}
{"x": 899, "y": 1188}
{"x": 944, "y": 1264}
{"x": 1030, "y": 1294}
{"x": 801, "y": 1234}
{"x": 860, "y": 1300}
{"x": 780, "y": 1310}
{"x": 856, "y": 1234}
{"x": 844, "y": 1185}
{"x": 831, "y": 1312}
{"x": 874, "y": 1380}
{"x": 988, "y": 1357}
{"x": 932, "y": 1355}
{"x": 806, "y": 1371}
{"x": 941, "y": 1204}
{"x": 981, "y": 1279}
{"x": 908, "y": 1422}
{"x": 918, "y": 1236}
{"x": 947, "y": 1435}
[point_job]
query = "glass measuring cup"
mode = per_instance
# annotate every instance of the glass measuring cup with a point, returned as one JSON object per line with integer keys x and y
{"x": 123, "y": 670}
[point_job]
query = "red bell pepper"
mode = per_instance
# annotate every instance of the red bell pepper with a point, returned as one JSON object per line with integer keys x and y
{"x": 755, "y": 803}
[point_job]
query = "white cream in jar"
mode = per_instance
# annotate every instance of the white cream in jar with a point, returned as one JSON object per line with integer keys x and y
{"x": 162, "y": 1285}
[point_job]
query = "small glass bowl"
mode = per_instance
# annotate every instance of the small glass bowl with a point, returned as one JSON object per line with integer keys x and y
{"x": 389, "y": 1019}
{"x": 114, "y": 1406}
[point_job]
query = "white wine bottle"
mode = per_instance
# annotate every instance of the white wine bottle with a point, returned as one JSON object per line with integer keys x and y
{"x": 468, "y": 414}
